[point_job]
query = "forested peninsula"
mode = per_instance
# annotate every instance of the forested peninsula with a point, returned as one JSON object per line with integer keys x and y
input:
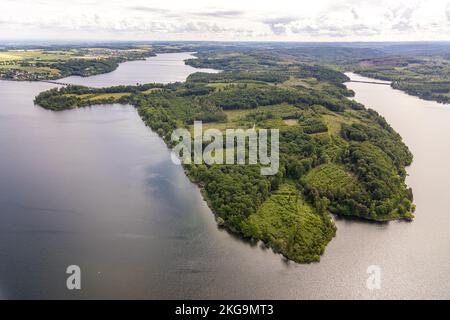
{"x": 336, "y": 156}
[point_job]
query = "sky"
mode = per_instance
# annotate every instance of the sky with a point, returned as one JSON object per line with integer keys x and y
{"x": 275, "y": 20}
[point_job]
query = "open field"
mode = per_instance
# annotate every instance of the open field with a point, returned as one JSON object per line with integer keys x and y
{"x": 288, "y": 223}
{"x": 100, "y": 96}
{"x": 332, "y": 178}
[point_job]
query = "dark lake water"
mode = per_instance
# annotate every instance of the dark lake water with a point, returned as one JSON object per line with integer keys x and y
{"x": 94, "y": 187}
{"x": 163, "y": 68}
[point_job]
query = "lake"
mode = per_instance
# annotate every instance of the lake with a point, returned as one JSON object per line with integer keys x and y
{"x": 163, "y": 68}
{"x": 96, "y": 188}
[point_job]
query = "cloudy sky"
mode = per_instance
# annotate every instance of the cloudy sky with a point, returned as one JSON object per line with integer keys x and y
{"x": 298, "y": 20}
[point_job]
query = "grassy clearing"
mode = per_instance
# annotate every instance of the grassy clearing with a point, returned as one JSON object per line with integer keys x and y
{"x": 240, "y": 118}
{"x": 96, "y": 97}
{"x": 151, "y": 90}
{"x": 291, "y": 122}
{"x": 108, "y": 96}
{"x": 334, "y": 121}
{"x": 235, "y": 115}
{"x": 279, "y": 110}
{"x": 225, "y": 85}
{"x": 296, "y": 82}
{"x": 332, "y": 179}
{"x": 222, "y": 126}
{"x": 309, "y": 83}
{"x": 292, "y": 226}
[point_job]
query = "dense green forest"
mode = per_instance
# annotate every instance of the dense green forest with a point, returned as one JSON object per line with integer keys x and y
{"x": 336, "y": 156}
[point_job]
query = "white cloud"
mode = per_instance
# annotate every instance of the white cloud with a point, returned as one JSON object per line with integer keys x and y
{"x": 227, "y": 20}
{"x": 278, "y": 25}
{"x": 447, "y": 12}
